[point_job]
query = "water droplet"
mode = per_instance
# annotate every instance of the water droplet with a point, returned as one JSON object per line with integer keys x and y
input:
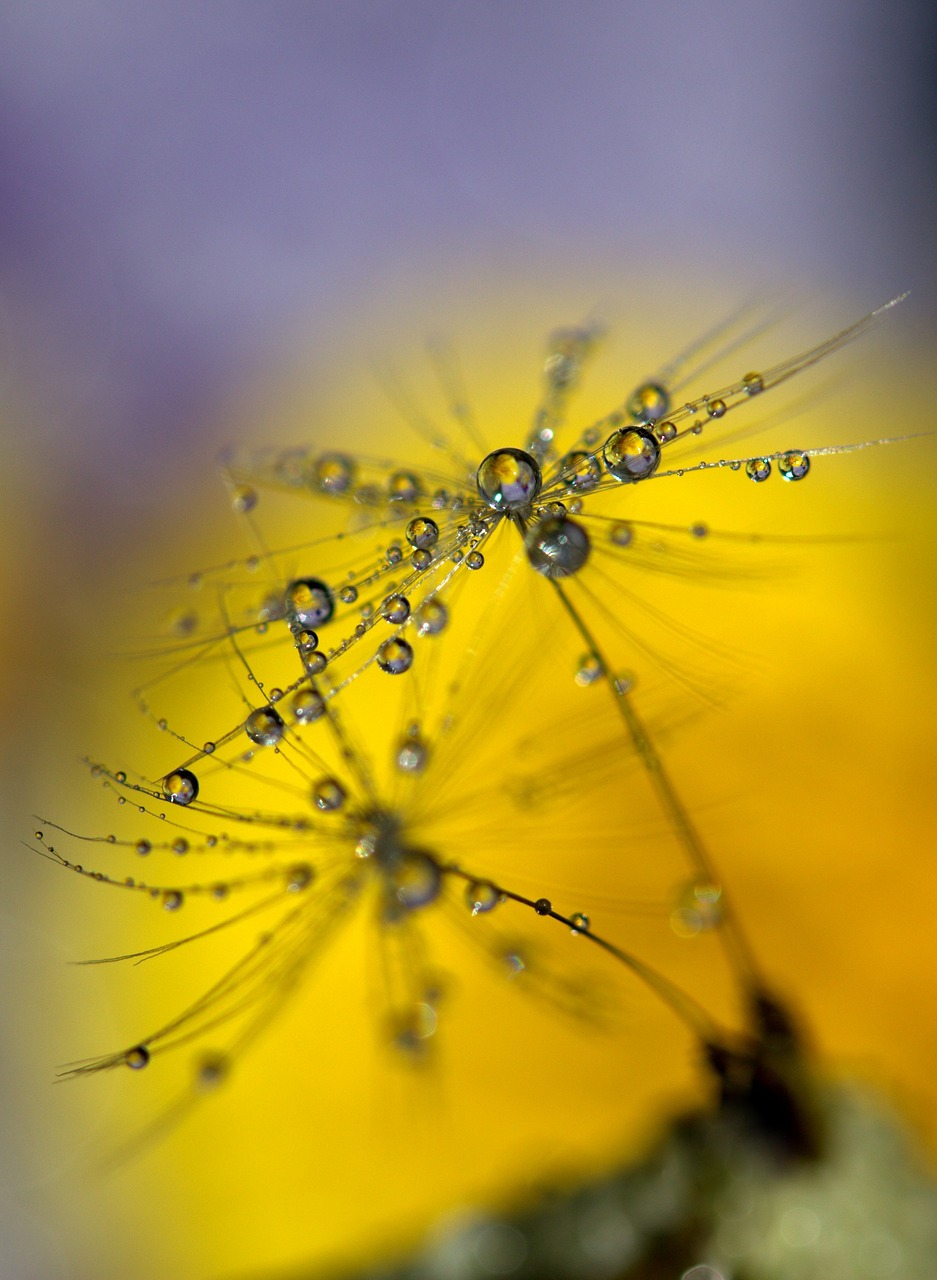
{"x": 394, "y": 554}
{"x": 431, "y": 617}
{"x": 621, "y": 534}
{"x": 173, "y": 900}
{"x": 412, "y": 756}
{"x": 580, "y": 471}
{"x": 422, "y": 533}
{"x": 403, "y": 486}
{"x": 753, "y": 384}
{"x": 244, "y": 499}
{"x": 481, "y": 897}
{"x": 120, "y": 776}
{"x": 716, "y": 408}
{"x": 395, "y": 609}
{"x": 211, "y": 1071}
{"x": 508, "y": 480}
{"x": 180, "y": 787}
{"x": 631, "y": 454}
{"x": 580, "y": 922}
{"x": 308, "y": 604}
{"x": 264, "y": 726}
{"x": 699, "y": 530}
{"x": 758, "y": 469}
{"x": 395, "y": 656}
{"x": 666, "y": 431}
{"x": 474, "y": 560}
{"x": 307, "y": 705}
{"x": 421, "y": 560}
{"x": 333, "y": 473}
{"x": 543, "y": 906}
{"x": 180, "y": 846}
{"x": 314, "y": 663}
{"x": 734, "y": 465}
{"x": 299, "y": 877}
{"x": 416, "y": 879}
{"x": 793, "y": 466}
{"x": 515, "y": 963}
{"x": 328, "y": 795}
{"x": 143, "y": 847}
{"x": 697, "y": 909}
{"x": 588, "y": 670}
{"x": 208, "y": 748}
{"x": 137, "y": 1058}
{"x": 348, "y": 595}
{"x": 557, "y": 547}
{"x": 648, "y": 402}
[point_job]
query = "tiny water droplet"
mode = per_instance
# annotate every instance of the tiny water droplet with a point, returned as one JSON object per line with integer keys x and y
{"x": 580, "y": 922}
{"x": 244, "y": 499}
{"x": 328, "y": 795}
{"x": 716, "y": 408}
{"x": 474, "y": 560}
{"x": 137, "y": 1058}
{"x": 180, "y": 787}
{"x": 753, "y": 384}
{"x": 422, "y": 533}
{"x": 264, "y": 726}
{"x": 395, "y": 656}
{"x": 543, "y": 906}
{"x": 481, "y": 897}
{"x": 588, "y": 670}
{"x": 794, "y": 465}
{"x": 172, "y": 900}
{"x": 143, "y": 847}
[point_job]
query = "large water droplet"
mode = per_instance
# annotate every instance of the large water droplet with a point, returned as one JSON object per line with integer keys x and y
{"x": 631, "y": 454}
{"x": 508, "y": 479}
{"x": 308, "y": 603}
{"x": 264, "y": 726}
{"x": 557, "y": 547}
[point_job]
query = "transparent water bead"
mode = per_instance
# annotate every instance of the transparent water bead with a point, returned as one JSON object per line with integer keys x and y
{"x": 648, "y": 402}
{"x": 137, "y": 1058}
{"x": 422, "y": 533}
{"x": 308, "y": 604}
{"x": 264, "y": 726}
{"x": 758, "y": 470}
{"x": 431, "y": 617}
{"x": 697, "y": 909}
{"x": 793, "y": 466}
{"x": 328, "y": 795}
{"x": 244, "y": 499}
{"x": 631, "y": 454}
{"x": 412, "y": 755}
{"x": 395, "y": 609}
{"x": 588, "y": 670}
{"x": 180, "y": 787}
{"x": 417, "y": 879}
{"x": 395, "y": 656}
{"x": 308, "y": 705}
{"x": 580, "y": 922}
{"x": 557, "y": 547}
{"x": 509, "y": 480}
{"x": 580, "y": 471}
{"x": 481, "y": 897}
{"x": 403, "y": 486}
{"x": 333, "y": 473}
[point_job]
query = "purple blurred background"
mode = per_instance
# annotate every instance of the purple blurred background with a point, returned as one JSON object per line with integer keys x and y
{"x": 188, "y": 188}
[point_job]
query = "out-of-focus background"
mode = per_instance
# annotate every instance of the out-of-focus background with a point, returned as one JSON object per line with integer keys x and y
{"x": 196, "y": 198}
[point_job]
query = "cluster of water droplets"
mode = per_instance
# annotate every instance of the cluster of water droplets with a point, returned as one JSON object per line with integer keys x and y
{"x": 294, "y": 764}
